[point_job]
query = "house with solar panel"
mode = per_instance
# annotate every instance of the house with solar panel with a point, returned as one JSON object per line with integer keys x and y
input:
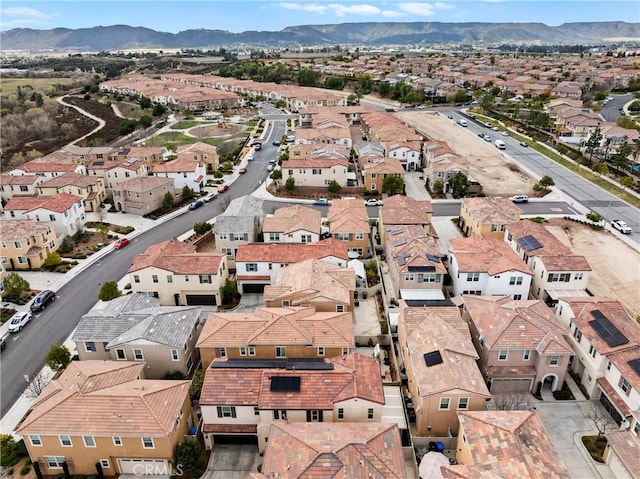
{"x": 557, "y": 271}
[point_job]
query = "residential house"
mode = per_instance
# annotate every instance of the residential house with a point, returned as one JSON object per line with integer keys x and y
{"x": 184, "y": 172}
{"x": 49, "y": 166}
{"x": 558, "y": 104}
{"x": 173, "y": 272}
{"x": 567, "y": 89}
{"x": 26, "y": 243}
{"x": 19, "y": 185}
{"x": 115, "y": 172}
{"x": 441, "y": 164}
{"x": 296, "y": 449}
{"x": 556, "y": 269}
{"x": 85, "y": 154}
{"x": 141, "y": 421}
{"x": 622, "y": 451}
{"x": 327, "y": 287}
{"x": 270, "y": 333}
{"x": 500, "y": 444}
{"x": 148, "y": 154}
{"x": 142, "y": 195}
{"x": 89, "y": 188}
{"x": 487, "y": 267}
{"x": 606, "y": 343}
{"x": 65, "y": 211}
{"x": 240, "y": 223}
{"x": 349, "y": 222}
{"x": 521, "y": 344}
{"x": 200, "y": 152}
{"x": 577, "y": 122}
{"x": 407, "y": 152}
{"x": 317, "y": 170}
{"x": 400, "y": 210}
{"x": 415, "y": 263}
{"x": 266, "y": 260}
{"x": 243, "y": 398}
{"x": 136, "y": 328}
{"x": 293, "y": 224}
{"x": 3, "y": 275}
{"x": 487, "y": 216}
{"x": 440, "y": 363}
{"x": 374, "y": 174}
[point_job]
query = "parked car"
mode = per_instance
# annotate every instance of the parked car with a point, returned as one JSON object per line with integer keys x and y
{"x": 3, "y": 344}
{"x": 19, "y": 321}
{"x": 196, "y": 204}
{"x": 242, "y": 171}
{"x": 121, "y": 243}
{"x": 276, "y": 143}
{"x": 487, "y": 138}
{"x": 504, "y": 133}
{"x": 270, "y": 167}
{"x": 322, "y": 202}
{"x": 621, "y": 226}
{"x": 495, "y": 128}
{"x": 520, "y": 199}
{"x": 481, "y": 135}
{"x": 524, "y": 144}
{"x": 372, "y": 202}
{"x": 223, "y": 188}
{"x": 43, "y": 300}
{"x": 209, "y": 197}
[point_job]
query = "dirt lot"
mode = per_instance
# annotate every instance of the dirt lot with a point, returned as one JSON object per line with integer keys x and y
{"x": 497, "y": 175}
{"x": 615, "y": 265}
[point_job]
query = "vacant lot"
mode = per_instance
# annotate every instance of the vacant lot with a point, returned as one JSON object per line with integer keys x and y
{"x": 487, "y": 165}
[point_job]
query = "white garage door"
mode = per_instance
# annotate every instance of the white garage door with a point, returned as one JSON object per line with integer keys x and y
{"x": 145, "y": 467}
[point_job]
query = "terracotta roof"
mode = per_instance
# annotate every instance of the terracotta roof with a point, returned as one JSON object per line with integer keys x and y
{"x": 278, "y": 326}
{"x": 627, "y": 448}
{"x": 315, "y": 162}
{"x": 481, "y": 254}
{"x": 348, "y": 216}
{"x": 143, "y": 184}
{"x": 41, "y": 165}
{"x": 11, "y": 230}
{"x": 177, "y": 257}
{"x": 615, "y": 398}
{"x": 383, "y": 166}
{"x": 104, "y": 398}
{"x": 411, "y": 247}
{"x": 20, "y": 179}
{"x": 286, "y": 253}
{"x": 508, "y": 324}
{"x": 491, "y": 210}
{"x": 334, "y": 450}
{"x": 72, "y": 179}
{"x": 180, "y": 165}
{"x": 353, "y": 376}
{"x": 511, "y": 444}
{"x": 58, "y": 203}
{"x": 291, "y": 219}
{"x": 404, "y": 210}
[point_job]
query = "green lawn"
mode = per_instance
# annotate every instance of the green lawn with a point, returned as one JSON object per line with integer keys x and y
{"x": 186, "y": 124}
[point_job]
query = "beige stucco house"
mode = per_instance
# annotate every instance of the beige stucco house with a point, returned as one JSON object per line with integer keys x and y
{"x": 25, "y": 244}
{"x": 487, "y": 216}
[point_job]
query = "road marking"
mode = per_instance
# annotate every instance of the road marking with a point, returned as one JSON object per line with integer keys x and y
{"x": 556, "y": 209}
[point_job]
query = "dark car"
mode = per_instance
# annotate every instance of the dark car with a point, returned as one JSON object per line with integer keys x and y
{"x": 276, "y": 143}
{"x": 3, "y": 344}
{"x": 43, "y": 300}
{"x": 196, "y": 204}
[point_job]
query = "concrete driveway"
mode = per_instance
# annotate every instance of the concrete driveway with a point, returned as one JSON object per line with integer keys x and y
{"x": 232, "y": 461}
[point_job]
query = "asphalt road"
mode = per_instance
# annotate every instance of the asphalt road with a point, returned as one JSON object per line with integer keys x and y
{"x": 611, "y": 110}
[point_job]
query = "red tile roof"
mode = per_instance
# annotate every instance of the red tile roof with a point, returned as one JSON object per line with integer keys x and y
{"x": 179, "y": 258}
{"x": 291, "y": 252}
{"x": 58, "y": 203}
{"x": 481, "y": 254}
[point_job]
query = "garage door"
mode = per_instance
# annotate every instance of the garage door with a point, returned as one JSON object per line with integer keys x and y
{"x": 235, "y": 439}
{"x": 510, "y": 385}
{"x": 201, "y": 299}
{"x": 253, "y": 288}
{"x": 144, "y": 467}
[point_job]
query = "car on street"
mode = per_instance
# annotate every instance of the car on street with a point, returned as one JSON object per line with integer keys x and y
{"x": 621, "y": 226}
{"x": 121, "y": 243}
{"x": 322, "y": 202}
{"x": 270, "y": 167}
{"x": 276, "y": 143}
{"x": 487, "y": 138}
{"x": 3, "y": 344}
{"x": 43, "y": 300}
{"x": 19, "y": 321}
{"x": 196, "y": 204}
{"x": 223, "y": 188}
{"x": 524, "y": 144}
{"x": 210, "y": 197}
{"x": 504, "y": 133}
{"x": 481, "y": 135}
{"x": 520, "y": 199}
{"x": 242, "y": 171}
{"x": 495, "y": 128}
{"x": 372, "y": 202}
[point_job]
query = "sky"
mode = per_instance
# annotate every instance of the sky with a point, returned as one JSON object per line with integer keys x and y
{"x": 264, "y": 15}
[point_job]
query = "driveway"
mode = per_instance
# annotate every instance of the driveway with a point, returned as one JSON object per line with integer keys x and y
{"x": 232, "y": 461}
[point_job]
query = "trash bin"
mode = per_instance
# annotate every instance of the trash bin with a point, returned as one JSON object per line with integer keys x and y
{"x": 356, "y": 302}
{"x": 364, "y": 295}
{"x": 439, "y": 446}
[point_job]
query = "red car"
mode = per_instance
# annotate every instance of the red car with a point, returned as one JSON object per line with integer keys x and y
{"x": 242, "y": 171}
{"x": 223, "y": 188}
{"x": 121, "y": 243}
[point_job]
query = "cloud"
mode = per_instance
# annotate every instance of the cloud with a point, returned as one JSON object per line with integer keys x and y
{"x": 16, "y": 17}
{"x": 402, "y": 9}
{"x": 422, "y": 8}
{"x": 392, "y": 13}
{"x": 338, "y": 9}
{"x": 311, "y": 7}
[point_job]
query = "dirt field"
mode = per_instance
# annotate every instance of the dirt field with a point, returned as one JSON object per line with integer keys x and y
{"x": 615, "y": 265}
{"x": 497, "y": 175}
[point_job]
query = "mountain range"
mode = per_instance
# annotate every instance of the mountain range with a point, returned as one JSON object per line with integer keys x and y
{"x": 123, "y": 37}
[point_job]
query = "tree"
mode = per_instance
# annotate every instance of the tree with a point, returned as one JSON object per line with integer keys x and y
{"x": 14, "y": 286}
{"x": 511, "y": 400}
{"x": 101, "y": 211}
{"x": 167, "y": 200}
{"x": 621, "y": 157}
{"x": 196, "y": 385}
{"x": 145, "y": 102}
{"x": 186, "y": 455}
{"x": 460, "y": 96}
{"x": 38, "y": 384}
{"x": 438, "y": 187}
{"x": 352, "y": 99}
{"x": 593, "y": 142}
{"x": 593, "y": 216}
{"x": 126, "y": 127}
{"x": 145, "y": 121}
{"x": 158, "y": 110}
{"x": 627, "y": 182}
{"x": 307, "y": 77}
{"x": 202, "y": 227}
{"x": 290, "y": 184}
{"x": 187, "y": 193}
{"x": 392, "y": 184}
{"x": 459, "y": 185}
{"x": 334, "y": 186}
{"x": 276, "y": 175}
{"x": 546, "y": 181}
{"x": 600, "y": 168}
{"x": 103, "y": 230}
{"x": 52, "y": 260}
{"x": 58, "y": 357}
{"x": 109, "y": 291}
{"x": 602, "y": 420}
{"x": 229, "y": 291}
{"x": 487, "y": 102}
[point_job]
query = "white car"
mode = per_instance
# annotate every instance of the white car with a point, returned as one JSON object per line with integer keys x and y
{"x": 520, "y": 199}
{"x": 372, "y": 202}
{"x": 19, "y": 321}
{"x": 504, "y": 133}
{"x": 621, "y": 226}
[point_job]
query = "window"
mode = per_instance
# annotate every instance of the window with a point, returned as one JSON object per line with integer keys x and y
{"x": 137, "y": 355}
{"x": 117, "y": 440}
{"x": 554, "y": 360}
{"x": 186, "y": 278}
{"x": 305, "y": 239}
{"x": 578, "y": 276}
{"x": 136, "y": 278}
{"x": 592, "y": 351}
{"x": 248, "y": 350}
{"x": 175, "y": 356}
{"x": 502, "y": 355}
{"x": 608, "y": 365}
{"x": 169, "y": 278}
{"x": 17, "y": 244}
{"x": 286, "y": 303}
{"x": 147, "y": 442}
{"x": 121, "y": 355}
{"x": 339, "y": 308}
{"x": 274, "y": 236}
{"x": 89, "y": 441}
{"x": 90, "y": 346}
{"x": 463, "y": 403}
{"x": 251, "y": 267}
{"x": 345, "y": 350}
{"x": 429, "y": 278}
{"x": 370, "y": 413}
{"x": 281, "y": 352}
{"x": 65, "y": 441}
{"x": 222, "y": 352}
{"x": 154, "y": 278}
{"x": 320, "y": 350}
{"x": 280, "y": 414}
{"x": 559, "y": 277}
{"x": 527, "y": 355}
{"x": 314, "y": 415}
{"x": 481, "y": 341}
{"x": 359, "y": 236}
{"x": 494, "y": 228}
{"x": 517, "y": 280}
{"x": 340, "y": 414}
{"x": 105, "y": 463}
{"x": 205, "y": 279}
{"x": 577, "y": 334}
{"x": 517, "y": 297}
{"x": 636, "y": 428}
{"x": 54, "y": 461}
{"x": 226, "y": 411}
{"x": 473, "y": 277}
{"x": 408, "y": 277}
{"x": 625, "y": 385}
{"x": 256, "y": 411}
{"x": 444, "y": 404}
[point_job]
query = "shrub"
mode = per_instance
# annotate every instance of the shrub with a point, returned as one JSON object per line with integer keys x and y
{"x": 173, "y": 375}
{"x": 52, "y": 260}
{"x": 67, "y": 245}
{"x": 24, "y": 470}
{"x": 11, "y": 451}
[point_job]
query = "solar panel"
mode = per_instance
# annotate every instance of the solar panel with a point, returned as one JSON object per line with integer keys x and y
{"x": 402, "y": 260}
{"x": 529, "y": 243}
{"x": 433, "y": 358}
{"x": 396, "y": 231}
{"x": 607, "y": 331}
{"x": 285, "y": 383}
{"x": 635, "y": 365}
{"x": 422, "y": 269}
{"x": 399, "y": 242}
{"x": 433, "y": 257}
